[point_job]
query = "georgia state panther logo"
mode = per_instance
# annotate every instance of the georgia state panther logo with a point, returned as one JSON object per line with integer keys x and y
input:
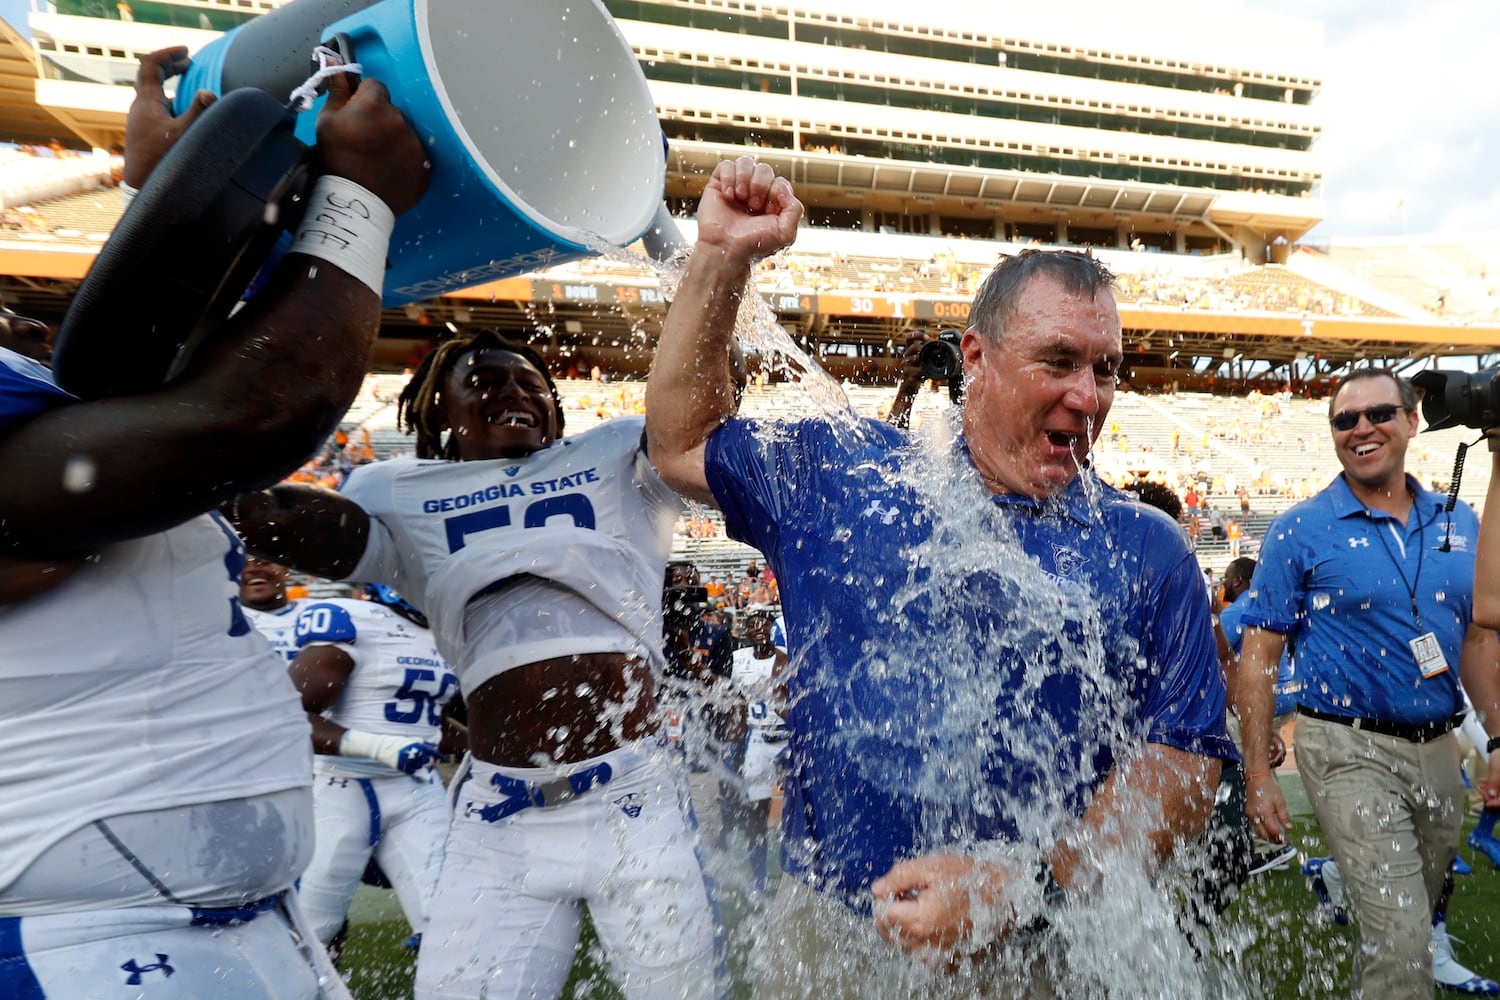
{"x": 1066, "y": 560}
{"x": 137, "y": 970}
{"x": 632, "y": 804}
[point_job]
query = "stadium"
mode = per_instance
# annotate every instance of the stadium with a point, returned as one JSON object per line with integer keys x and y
{"x": 927, "y": 141}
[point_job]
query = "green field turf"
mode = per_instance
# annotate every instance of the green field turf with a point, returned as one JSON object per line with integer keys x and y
{"x": 1276, "y": 938}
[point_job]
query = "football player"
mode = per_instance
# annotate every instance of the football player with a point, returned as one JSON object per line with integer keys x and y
{"x": 150, "y": 850}
{"x": 375, "y": 688}
{"x": 266, "y": 605}
{"x": 540, "y": 562}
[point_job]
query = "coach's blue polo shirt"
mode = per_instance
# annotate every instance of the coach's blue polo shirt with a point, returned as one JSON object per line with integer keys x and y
{"x": 966, "y": 667}
{"x": 1287, "y": 684}
{"x": 1341, "y": 579}
{"x": 26, "y": 388}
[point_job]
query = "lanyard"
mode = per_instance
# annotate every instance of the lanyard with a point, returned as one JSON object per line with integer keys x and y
{"x": 1411, "y": 586}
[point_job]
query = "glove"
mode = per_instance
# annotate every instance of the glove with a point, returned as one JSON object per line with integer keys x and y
{"x": 397, "y": 752}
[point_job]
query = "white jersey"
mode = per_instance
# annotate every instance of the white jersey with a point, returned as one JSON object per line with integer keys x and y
{"x": 399, "y": 683}
{"x": 754, "y": 676}
{"x": 138, "y": 685}
{"x": 278, "y": 626}
{"x": 588, "y": 516}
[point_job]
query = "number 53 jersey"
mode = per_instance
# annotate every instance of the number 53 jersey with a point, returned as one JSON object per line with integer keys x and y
{"x": 588, "y": 514}
{"x": 399, "y": 683}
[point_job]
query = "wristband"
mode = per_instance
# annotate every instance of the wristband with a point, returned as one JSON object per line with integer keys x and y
{"x": 1258, "y": 774}
{"x": 347, "y": 226}
{"x": 128, "y": 193}
{"x": 1492, "y": 745}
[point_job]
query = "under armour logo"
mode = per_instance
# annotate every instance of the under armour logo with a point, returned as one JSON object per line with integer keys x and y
{"x": 1359, "y": 543}
{"x": 338, "y": 782}
{"x": 886, "y": 516}
{"x": 511, "y": 470}
{"x": 632, "y": 804}
{"x": 136, "y": 970}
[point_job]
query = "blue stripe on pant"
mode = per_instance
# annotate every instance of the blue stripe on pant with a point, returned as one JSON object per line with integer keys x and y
{"x": 374, "y": 809}
{"x": 17, "y": 981}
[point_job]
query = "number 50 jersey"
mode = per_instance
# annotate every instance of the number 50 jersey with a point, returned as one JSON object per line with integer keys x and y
{"x": 399, "y": 683}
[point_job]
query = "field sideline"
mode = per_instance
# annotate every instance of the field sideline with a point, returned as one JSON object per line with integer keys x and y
{"x": 1292, "y": 954}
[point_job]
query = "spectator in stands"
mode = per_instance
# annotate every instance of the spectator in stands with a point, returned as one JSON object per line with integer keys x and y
{"x": 1372, "y": 581}
{"x": 163, "y": 839}
{"x": 1041, "y": 363}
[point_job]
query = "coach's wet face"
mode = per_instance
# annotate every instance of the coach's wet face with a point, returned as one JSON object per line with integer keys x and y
{"x": 1039, "y": 390}
{"x": 498, "y": 405}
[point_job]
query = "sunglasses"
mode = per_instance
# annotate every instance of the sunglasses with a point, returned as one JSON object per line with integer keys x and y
{"x": 1349, "y": 419}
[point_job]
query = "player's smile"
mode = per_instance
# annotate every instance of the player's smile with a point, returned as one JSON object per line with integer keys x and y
{"x": 262, "y": 585}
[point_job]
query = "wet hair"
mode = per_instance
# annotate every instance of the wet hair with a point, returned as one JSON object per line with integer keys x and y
{"x": 1163, "y": 498}
{"x": 1406, "y": 393}
{"x": 418, "y": 408}
{"x": 995, "y": 303}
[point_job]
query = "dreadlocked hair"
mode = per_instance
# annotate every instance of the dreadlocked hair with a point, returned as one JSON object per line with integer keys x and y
{"x": 418, "y": 407}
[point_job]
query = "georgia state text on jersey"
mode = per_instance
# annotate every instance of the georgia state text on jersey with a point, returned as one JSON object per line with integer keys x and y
{"x": 399, "y": 683}
{"x": 588, "y": 514}
{"x": 278, "y": 626}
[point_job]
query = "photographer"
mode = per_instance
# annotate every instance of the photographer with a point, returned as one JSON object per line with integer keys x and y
{"x": 926, "y": 357}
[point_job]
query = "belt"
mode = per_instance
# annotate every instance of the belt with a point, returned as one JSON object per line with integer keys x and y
{"x": 230, "y": 916}
{"x": 539, "y": 794}
{"x": 770, "y": 736}
{"x": 1424, "y": 732}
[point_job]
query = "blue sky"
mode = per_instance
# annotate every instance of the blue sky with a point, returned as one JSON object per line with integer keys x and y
{"x": 1412, "y": 112}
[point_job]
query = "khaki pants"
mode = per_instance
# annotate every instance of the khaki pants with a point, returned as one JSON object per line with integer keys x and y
{"x": 1391, "y": 811}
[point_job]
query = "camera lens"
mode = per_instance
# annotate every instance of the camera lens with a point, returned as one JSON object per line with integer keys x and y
{"x": 940, "y": 360}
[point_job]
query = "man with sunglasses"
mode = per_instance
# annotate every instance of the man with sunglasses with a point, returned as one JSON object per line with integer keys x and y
{"x": 1374, "y": 580}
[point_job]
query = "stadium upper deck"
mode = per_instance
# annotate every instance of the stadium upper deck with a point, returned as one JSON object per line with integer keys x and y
{"x": 1152, "y": 126}
{"x": 925, "y": 140}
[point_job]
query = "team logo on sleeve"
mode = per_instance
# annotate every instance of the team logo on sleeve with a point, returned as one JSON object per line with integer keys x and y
{"x": 632, "y": 804}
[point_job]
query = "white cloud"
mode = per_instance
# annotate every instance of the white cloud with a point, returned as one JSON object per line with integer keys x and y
{"x": 1410, "y": 107}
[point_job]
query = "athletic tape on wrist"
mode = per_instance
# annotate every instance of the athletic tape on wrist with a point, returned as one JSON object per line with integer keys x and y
{"x": 347, "y": 226}
{"x": 355, "y": 743}
{"x": 128, "y": 193}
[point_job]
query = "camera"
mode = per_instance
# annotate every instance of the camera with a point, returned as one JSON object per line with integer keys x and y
{"x": 1451, "y": 398}
{"x": 940, "y": 358}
